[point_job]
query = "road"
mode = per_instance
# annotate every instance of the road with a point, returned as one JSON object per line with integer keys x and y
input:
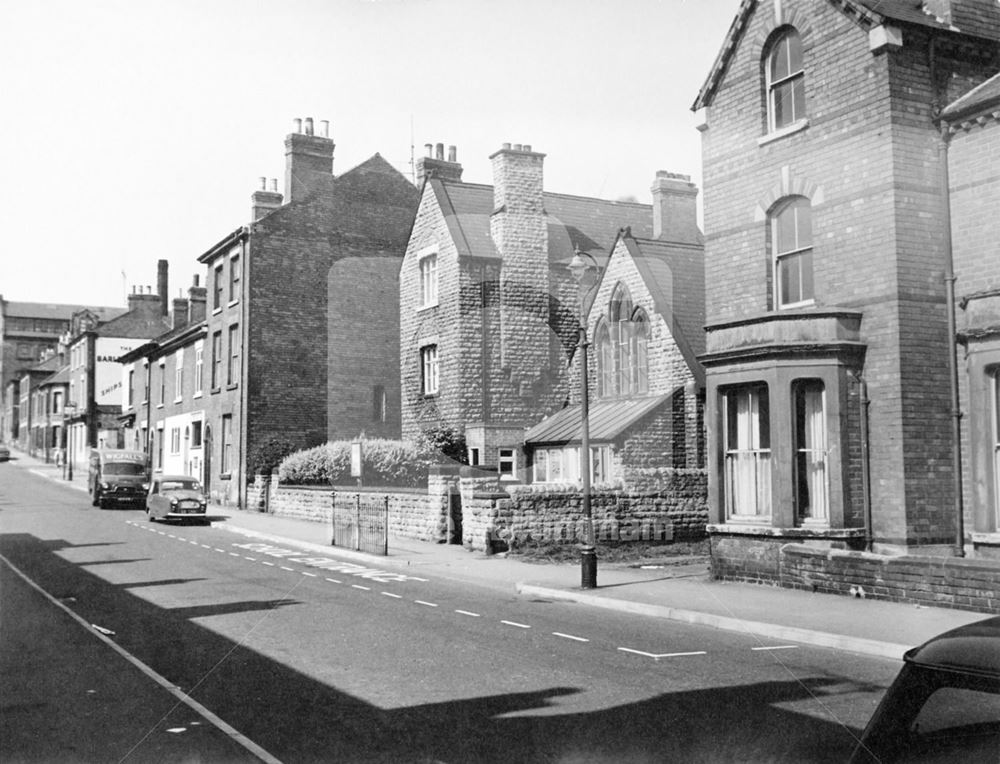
{"x": 313, "y": 660}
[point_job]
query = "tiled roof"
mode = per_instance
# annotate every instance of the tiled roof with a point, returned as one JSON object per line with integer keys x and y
{"x": 979, "y": 98}
{"x": 136, "y": 324}
{"x": 608, "y": 419}
{"x": 573, "y": 221}
{"x": 978, "y": 18}
{"x": 56, "y": 311}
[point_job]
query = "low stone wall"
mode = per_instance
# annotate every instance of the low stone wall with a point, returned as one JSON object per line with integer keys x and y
{"x": 674, "y": 509}
{"x": 412, "y": 514}
{"x": 952, "y": 582}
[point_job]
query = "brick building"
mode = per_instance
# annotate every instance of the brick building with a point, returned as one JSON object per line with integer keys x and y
{"x": 971, "y": 133}
{"x": 28, "y": 330}
{"x": 828, "y": 413}
{"x": 645, "y": 327}
{"x": 298, "y": 342}
{"x": 92, "y": 416}
{"x": 43, "y": 390}
{"x": 488, "y": 308}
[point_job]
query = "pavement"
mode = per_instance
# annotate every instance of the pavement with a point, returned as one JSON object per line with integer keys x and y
{"x": 678, "y": 589}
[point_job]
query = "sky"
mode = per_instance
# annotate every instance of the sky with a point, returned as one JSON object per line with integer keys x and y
{"x": 137, "y": 130}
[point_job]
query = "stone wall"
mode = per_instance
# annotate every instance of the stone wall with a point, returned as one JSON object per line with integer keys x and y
{"x": 671, "y": 508}
{"x": 933, "y": 581}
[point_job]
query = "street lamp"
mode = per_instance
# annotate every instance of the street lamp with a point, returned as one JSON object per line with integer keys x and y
{"x": 588, "y": 553}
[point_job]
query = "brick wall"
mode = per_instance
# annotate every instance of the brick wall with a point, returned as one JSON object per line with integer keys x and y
{"x": 934, "y": 581}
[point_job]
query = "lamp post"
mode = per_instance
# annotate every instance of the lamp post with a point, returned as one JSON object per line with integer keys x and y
{"x": 588, "y": 552}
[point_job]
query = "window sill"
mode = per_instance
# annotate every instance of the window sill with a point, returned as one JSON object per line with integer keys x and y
{"x": 216, "y": 310}
{"x": 197, "y": 394}
{"x": 231, "y": 303}
{"x": 159, "y": 405}
{"x": 784, "y": 132}
{"x": 429, "y": 395}
{"x": 231, "y": 386}
{"x": 215, "y": 390}
{"x": 179, "y": 400}
{"x": 226, "y": 476}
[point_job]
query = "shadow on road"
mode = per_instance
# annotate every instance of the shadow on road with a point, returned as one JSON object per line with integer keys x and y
{"x": 299, "y": 719}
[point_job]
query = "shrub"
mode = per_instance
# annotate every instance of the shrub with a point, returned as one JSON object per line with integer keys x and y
{"x": 443, "y": 443}
{"x": 264, "y": 457}
{"x": 386, "y": 462}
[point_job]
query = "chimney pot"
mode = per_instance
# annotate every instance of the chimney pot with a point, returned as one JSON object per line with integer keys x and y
{"x": 309, "y": 125}
{"x": 505, "y": 147}
{"x": 517, "y": 147}
{"x": 452, "y": 154}
{"x": 527, "y": 147}
{"x": 263, "y": 183}
{"x": 430, "y": 149}
{"x": 274, "y": 184}
{"x": 195, "y": 280}
{"x": 324, "y": 128}
{"x": 297, "y": 125}
{"x": 439, "y": 151}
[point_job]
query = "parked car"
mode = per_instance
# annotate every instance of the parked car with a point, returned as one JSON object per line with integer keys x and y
{"x": 945, "y": 703}
{"x": 4, "y": 452}
{"x": 176, "y": 497}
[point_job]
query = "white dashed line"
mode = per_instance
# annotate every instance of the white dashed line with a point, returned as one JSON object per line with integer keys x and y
{"x": 311, "y": 575}
{"x": 283, "y": 567}
{"x": 233, "y": 554}
{"x": 171, "y": 535}
{"x": 569, "y": 636}
{"x": 777, "y": 647}
{"x": 428, "y": 604}
{"x": 205, "y": 546}
{"x": 270, "y": 564}
{"x": 390, "y": 594}
{"x": 252, "y": 559}
{"x": 334, "y": 581}
{"x": 363, "y": 588}
{"x": 220, "y": 551}
{"x": 466, "y": 612}
{"x": 515, "y": 623}
{"x": 193, "y": 543}
{"x": 657, "y": 656}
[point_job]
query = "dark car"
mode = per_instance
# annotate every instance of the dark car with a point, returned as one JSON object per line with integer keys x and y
{"x": 944, "y": 705}
{"x": 4, "y": 453}
{"x": 176, "y": 497}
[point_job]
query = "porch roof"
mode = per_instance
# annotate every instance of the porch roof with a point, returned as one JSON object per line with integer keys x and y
{"x": 608, "y": 419}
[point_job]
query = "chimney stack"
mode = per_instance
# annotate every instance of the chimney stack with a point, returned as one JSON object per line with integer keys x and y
{"x": 437, "y": 167}
{"x": 179, "y": 314}
{"x": 161, "y": 284}
{"x": 197, "y": 300}
{"x": 675, "y": 215}
{"x": 263, "y": 201}
{"x": 308, "y": 161}
{"x": 519, "y": 230}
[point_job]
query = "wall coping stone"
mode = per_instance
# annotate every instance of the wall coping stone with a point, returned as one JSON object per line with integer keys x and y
{"x": 745, "y": 529}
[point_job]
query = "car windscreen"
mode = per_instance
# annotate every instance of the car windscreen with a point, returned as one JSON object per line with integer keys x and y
{"x": 124, "y": 468}
{"x": 179, "y": 485}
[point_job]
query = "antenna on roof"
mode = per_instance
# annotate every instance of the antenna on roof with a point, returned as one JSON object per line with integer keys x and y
{"x": 413, "y": 166}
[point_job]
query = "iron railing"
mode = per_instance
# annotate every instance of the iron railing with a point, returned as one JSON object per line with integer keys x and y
{"x": 361, "y": 523}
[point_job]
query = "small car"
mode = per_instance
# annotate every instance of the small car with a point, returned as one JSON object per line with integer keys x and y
{"x": 944, "y": 705}
{"x": 4, "y": 452}
{"x": 176, "y": 497}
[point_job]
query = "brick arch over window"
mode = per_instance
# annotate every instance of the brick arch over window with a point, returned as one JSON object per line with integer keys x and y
{"x": 787, "y": 185}
{"x": 790, "y": 19}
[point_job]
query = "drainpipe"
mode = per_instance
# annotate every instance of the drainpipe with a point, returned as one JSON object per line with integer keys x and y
{"x": 949, "y": 280}
{"x": 866, "y": 466}
{"x": 956, "y": 411}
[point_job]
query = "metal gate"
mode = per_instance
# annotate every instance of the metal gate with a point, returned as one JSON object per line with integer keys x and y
{"x": 361, "y": 524}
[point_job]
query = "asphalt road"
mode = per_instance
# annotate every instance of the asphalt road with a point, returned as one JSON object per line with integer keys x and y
{"x": 316, "y": 661}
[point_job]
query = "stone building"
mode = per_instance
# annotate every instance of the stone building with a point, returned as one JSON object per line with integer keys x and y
{"x": 298, "y": 340}
{"x": 828, "y": 411}
{"x": 645, "y": 327}
{"x": 488, "y": 308}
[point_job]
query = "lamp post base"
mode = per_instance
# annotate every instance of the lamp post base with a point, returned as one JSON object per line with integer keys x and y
{"x": 588, "y": 567}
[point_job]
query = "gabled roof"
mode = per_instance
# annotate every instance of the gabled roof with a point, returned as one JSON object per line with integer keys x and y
{"x": 607, "y": 419}
{"x": 981, "y": 98}
{"x": 573, "y": 221}
{"x": 674, "y": 275}
{"x": 136, "y": 324}
{"x": 972, "y": 18}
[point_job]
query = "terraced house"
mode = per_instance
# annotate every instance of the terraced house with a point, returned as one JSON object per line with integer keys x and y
{"x": 294, "y": 345}
{"x": 830, "y": 331}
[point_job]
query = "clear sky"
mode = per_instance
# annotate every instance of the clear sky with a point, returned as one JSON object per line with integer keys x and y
{"x": 136, "y": 130}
